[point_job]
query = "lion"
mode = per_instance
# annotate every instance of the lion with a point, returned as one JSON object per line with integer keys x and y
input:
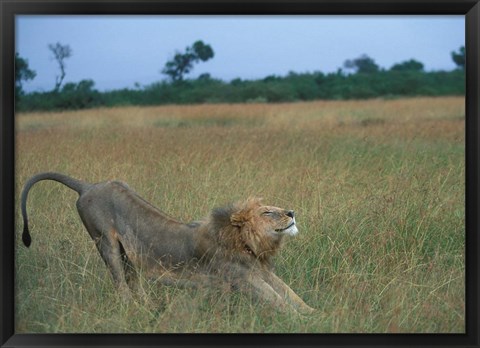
{"x": 231, "y": 248}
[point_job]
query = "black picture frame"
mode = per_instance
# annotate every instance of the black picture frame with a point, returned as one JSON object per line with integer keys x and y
{"x": 10, "y": 8}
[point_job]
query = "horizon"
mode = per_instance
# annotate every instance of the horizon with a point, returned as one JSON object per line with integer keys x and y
{"x": 127, "y": 51}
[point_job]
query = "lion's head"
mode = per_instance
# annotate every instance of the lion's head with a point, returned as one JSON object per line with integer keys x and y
{"x": 251, "y": 230}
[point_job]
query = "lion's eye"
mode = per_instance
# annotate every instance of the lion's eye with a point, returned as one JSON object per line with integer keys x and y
{"x": 267, "y": 213}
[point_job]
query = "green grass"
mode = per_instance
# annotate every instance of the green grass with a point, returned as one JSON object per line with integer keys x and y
{"x": 378, "y": 188}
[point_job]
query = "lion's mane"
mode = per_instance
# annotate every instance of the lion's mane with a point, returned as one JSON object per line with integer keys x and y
{"x": 239, "y": 235}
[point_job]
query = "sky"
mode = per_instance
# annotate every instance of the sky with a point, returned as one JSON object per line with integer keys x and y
{"x": 121, "y": 51}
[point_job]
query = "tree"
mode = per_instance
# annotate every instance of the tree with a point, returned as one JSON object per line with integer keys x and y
{"x": 60, "y": 53}
{"x": 409, "y": 65}
{"x": 182, "y": 63}
{"x": 22, "y": 73}
{"x": 362, "y": 65}
{"x": 459, "y": 57}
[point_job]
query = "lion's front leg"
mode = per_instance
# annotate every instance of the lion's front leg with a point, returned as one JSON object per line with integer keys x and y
{"x": 265, "y": 292}
{"x": 193, "y": 281}
{"x": 253, "y": 282}
{"x": 287, "y": 293}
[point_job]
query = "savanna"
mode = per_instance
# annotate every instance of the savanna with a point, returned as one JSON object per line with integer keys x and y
{"x": 378, "y": 189}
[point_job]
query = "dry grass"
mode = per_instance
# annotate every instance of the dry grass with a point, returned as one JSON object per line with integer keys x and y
{"x": 378, "y": 187}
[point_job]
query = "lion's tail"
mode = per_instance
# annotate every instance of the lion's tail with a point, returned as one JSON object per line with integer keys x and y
{"x": 76, "y": 185}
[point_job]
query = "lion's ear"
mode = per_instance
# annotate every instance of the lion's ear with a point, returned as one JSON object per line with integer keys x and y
{"x": 237, "y": 219}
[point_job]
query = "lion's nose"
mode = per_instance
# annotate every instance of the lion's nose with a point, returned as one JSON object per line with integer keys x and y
{"x": 291, "y": 213}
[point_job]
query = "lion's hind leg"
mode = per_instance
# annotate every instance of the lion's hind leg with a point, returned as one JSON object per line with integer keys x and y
{"x": 133, "y": 276}
{"x": 108, "y": 245}
{"x": 98, "y": 220}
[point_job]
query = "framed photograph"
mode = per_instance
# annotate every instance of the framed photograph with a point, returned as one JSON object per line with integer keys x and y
{"x": 239, "y": 174}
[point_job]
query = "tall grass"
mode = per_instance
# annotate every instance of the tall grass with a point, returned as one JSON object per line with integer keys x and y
{"x": 378, "y": 188}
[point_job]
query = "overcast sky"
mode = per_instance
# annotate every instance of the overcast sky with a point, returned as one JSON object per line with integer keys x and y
{"x": 119, "y": 51}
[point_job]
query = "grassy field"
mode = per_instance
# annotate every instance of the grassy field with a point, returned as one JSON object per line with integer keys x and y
{"x": 377, "y": 186}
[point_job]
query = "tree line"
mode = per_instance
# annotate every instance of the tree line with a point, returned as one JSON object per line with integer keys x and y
{"x": 359, "y": 78}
